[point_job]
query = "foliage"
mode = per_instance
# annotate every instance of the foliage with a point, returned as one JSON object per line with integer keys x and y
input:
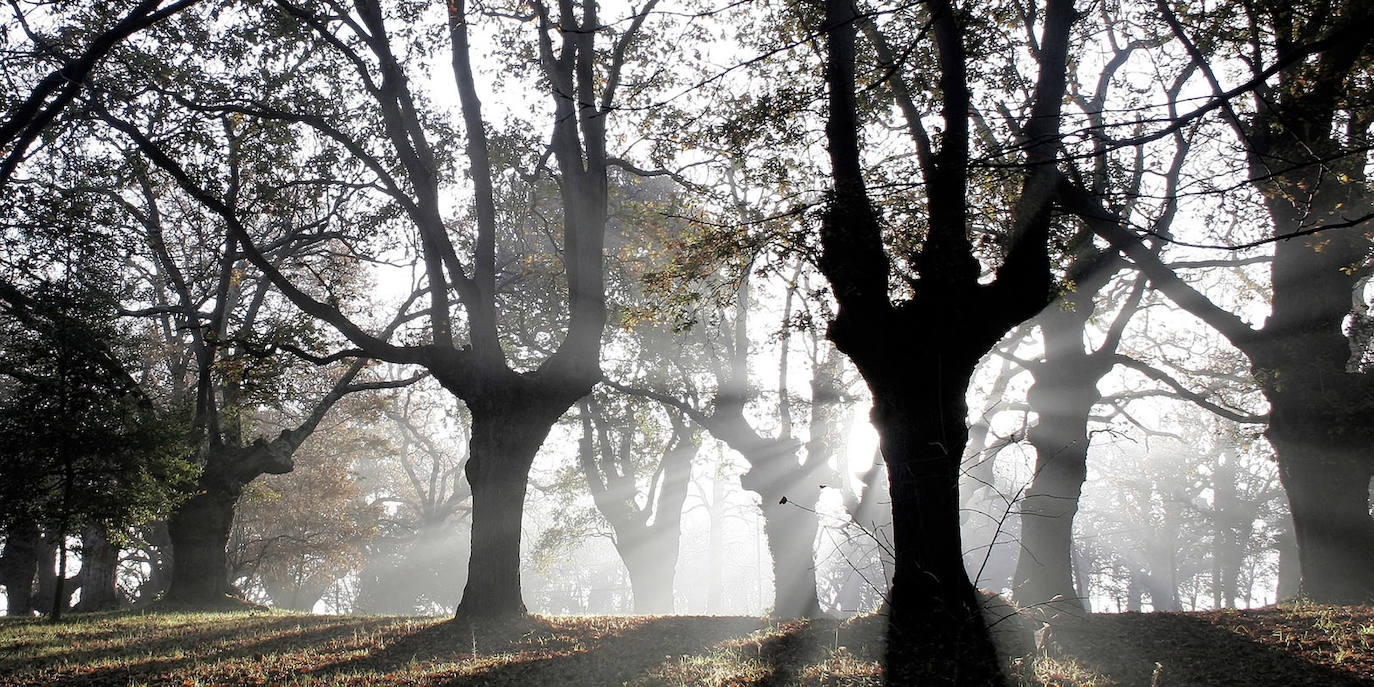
{"x": 297, "y": 533}
{"x": 83, "y": 447}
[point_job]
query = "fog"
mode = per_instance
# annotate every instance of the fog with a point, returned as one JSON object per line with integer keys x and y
{"x": 919, "y": 311}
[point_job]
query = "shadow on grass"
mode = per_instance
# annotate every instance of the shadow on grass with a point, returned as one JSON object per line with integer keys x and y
{"x": 156, "y": 652}
{"x": 636, "y": 651}
{"x": 1174, "y": 650}
{"x": 535, "y": 651}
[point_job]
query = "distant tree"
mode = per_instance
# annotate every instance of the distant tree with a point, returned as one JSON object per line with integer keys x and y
{"x": 784, "y": 471}
{"x": 296, "y": 535}
{"x": 611, "y": 460}
{"x": 414, "y": 561}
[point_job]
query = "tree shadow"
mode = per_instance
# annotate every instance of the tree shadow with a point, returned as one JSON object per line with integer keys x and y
{"x": 1174, "y": 650}
{"x": 534, "y": 650}
{"x": 169, "y": 649}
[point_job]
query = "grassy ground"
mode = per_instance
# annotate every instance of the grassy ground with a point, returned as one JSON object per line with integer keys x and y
{"x": 1289, "y": 645}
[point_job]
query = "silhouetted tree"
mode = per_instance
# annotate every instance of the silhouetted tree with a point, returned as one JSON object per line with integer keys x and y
{"x": 918, "y": 352}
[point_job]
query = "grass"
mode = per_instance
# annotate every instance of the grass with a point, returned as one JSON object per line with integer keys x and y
{"x": 1296, "y": 644}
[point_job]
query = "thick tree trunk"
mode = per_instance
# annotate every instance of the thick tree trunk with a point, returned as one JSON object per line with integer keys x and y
{"x": 791, "y": 534}
{"x": 19, "y": 567}
{"x": 199, "y": 528}
{"x": 99, "y": 563}
{"x": 1044, "y": 570}
{"x": 1062, "y": 397}
{"x": 505, "y": 438}
{"x": 652, "y": 565}
{"x": 1321, "y": 409}
{"x": 936, "y": 634}
{"x": 788, "y": 504}
{"x": 199, "y": 532}
{"x": 1328, "y": 495}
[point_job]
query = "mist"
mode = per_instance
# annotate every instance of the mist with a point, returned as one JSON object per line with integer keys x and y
{"x": 1006, "y": 339}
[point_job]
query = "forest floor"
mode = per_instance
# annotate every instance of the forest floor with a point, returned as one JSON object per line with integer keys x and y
{"x": 1293, "y": 644}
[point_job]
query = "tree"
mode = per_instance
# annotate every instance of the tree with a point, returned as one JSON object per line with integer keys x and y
{"x": 418, "y": 482}
{"x": 225, "y": 358}
{"x": 918, "y": 353}
{"x": 84, "y": 449}
{"x": 1303, "y": 138}
{"x": 513, "y": 399}
{"x": 785, "y": 472}
{"x": 295, "y": 535}
{"x": 608, "y": 454}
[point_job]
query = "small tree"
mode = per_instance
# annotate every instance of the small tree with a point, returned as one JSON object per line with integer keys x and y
{"x": 83, "y": 447}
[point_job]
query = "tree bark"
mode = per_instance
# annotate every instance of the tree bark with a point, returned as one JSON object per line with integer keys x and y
{"x": 652, "y": 564}
{"x": 97, "y": 579}
{"x": 507, "y": 431}
{"x": 1328, "y": 495}
{"x": 199, "y": 531}
{"x": 791, "y": 534}
{"x": 937, "y": 634}
{"x": 19, "y": 567}
{"x": 199, "y": 528}
{"x": 46, "y": 590}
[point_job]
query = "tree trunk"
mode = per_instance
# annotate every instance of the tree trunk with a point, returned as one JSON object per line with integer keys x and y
{"x": 1320, "y": 421}
{"x": 791, "y": 535}
{"x": 47, "y": 574}
{"x": 788, "y": 505}
{"x": 1328, "y": 495}
{"x": 19, "y": 567}
{"x": 157, "y": 545}
{"x": 296, "y": 595}
{"x": 199, "y": 531}
{"x": 1290, "y": 571}
{"x": 715, "y": 545}
{"x": 1062, "y": 397}
{"x": 1082, "y": 568}
{"x": 199, "y": 528}
{"x": 1321, "y": 408}
{"x": 99, "y": 563}
{"x": 505, "y": 438}
{"x": 652, "y": 565}
{"x": 936, "y": 634}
